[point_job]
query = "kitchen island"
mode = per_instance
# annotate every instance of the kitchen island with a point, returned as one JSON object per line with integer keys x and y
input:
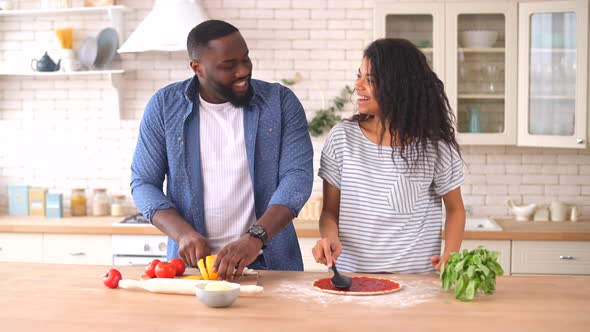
{"x": 42, "y": 297}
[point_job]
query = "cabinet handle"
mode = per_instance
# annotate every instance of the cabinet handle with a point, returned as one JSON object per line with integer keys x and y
{"x": 566, "y": 257}
{"x": 162, "y": 246}
{"x": 77, "y": 254}
{"x": 146, "y": 247}
{"x": 580, "y": 140}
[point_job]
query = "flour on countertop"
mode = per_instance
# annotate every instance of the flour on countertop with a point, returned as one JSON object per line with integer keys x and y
{"x": 411, "y": 294}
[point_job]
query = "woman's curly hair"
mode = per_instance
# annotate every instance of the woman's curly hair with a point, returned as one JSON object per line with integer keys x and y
{"x": 411, "y": 97}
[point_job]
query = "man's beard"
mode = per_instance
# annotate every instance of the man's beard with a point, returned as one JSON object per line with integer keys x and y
{"x": 228, "y": 93}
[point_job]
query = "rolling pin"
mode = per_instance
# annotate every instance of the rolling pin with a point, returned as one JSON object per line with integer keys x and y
{"x": 179, "y": 286}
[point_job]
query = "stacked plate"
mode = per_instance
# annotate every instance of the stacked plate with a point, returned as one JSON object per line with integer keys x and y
{"x": 100, "y": 51}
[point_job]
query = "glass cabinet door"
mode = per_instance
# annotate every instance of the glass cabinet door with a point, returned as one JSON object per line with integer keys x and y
{"x": 481, "y": 58}
{"x": 421, "y": 23}
{"x": 553, "y": 72}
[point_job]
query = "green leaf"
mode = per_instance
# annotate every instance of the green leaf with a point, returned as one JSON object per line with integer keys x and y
{"x": 497, "y": 268}
{"x": 470, "y": 290}
{"x": 484, "y": 269}
{"x": 470, "y": 271}
{"x": 461, "y": 286}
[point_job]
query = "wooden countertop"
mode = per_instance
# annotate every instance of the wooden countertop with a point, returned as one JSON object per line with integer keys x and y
{"x": 41, "y": 297}
{"x": 72, "y": 225}
{"x": 511, "y": 230}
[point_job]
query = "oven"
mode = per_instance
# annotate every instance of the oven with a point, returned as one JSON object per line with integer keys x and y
{"x": 137, "y": 249}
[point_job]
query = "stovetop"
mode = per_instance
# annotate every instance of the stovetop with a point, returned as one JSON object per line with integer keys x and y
{"x": 134, "y": 220}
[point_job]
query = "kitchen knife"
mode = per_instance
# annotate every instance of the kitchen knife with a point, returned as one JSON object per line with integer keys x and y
{"x": 180, "y": 286}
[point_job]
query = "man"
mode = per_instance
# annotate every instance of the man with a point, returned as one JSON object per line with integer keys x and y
{"x": 236, "y": 155}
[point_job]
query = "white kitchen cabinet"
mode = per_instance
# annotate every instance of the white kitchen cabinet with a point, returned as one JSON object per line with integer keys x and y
{"x": 529, "y": 88}
{"x": 550, "y": 257}
{"x": 421, "y": 23}
{"x": 21, "y": 247}
{"x": 481, "y": 76}
{"x": 553, "y": 74}
{"x": 309, "y": 263}
{"x": 501, "y": 246}
{"x": 77, "y": 249}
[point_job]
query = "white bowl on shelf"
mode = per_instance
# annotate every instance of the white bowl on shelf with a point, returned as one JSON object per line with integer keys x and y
{"x": 478, "y": 38}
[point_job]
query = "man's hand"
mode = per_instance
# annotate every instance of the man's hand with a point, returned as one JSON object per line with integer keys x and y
{"x": 238, "y": 255}
{"x": 192, "y": 247}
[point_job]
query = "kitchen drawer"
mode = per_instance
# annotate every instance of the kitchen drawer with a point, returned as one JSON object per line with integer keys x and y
{"x": 501, "y": 246}
{"x": 551, "y": 257}
{"x": 21, "y": 247}
{"x": 77, "y": 249}
{"x": 309, "y": 263}
{"x": 139, "y": 245}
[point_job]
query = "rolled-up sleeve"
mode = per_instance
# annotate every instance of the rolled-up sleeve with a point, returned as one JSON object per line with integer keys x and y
{"x": 296, "y": 157}
{"x": 448, "y": 170}
{"x": 330, "y": 164}
{"x": 149, "y": 165}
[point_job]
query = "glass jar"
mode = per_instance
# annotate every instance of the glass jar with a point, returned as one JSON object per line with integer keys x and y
{"x": 119, "y": 206}
{"x": 100, "y": 203}
{"x": 78, "y": 202}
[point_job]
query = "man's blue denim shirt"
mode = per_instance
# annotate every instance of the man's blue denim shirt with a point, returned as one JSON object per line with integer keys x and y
{"x": 278, "y": 147}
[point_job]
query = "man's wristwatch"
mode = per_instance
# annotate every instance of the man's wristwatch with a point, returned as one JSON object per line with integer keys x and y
{"x": 259, "y": 232}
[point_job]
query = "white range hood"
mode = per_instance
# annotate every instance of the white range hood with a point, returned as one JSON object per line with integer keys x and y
{"x": 166, "y": 27}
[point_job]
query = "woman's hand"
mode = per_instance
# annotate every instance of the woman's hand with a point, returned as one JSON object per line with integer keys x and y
{"x": 438, "y": 261}
{"x": 327, "y": 250}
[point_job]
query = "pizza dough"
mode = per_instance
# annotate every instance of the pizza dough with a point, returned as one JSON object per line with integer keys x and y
{"x": 360, "y": 286}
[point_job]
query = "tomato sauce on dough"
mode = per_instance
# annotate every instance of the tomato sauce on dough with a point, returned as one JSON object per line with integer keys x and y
{"x": 360, "y": 284}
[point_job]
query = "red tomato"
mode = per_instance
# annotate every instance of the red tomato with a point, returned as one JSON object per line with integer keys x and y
{"x": 150, "y": 269}
{"x": 178, "y": 265}
{"x": 111, "y": 278}
{"x": 165, "y": 270}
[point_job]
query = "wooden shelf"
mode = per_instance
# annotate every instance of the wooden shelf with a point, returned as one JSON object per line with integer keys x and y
{"x": 482, "y": 49}
{"x": 63, "y": 11}
{"x": 63, "y": 73}
{"x": 481, "y": 96}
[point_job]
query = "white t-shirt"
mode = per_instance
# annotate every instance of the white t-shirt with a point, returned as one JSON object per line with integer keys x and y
{"x": 227, "y": 185}
{"x": 390, "y": 215}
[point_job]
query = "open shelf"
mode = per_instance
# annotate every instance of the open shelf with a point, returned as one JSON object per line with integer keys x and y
{"x": 63, "y": 73}
{"x": 77, "y": 10}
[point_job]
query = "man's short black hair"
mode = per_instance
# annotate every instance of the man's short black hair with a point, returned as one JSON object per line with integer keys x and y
{"x": 204, "y": 32}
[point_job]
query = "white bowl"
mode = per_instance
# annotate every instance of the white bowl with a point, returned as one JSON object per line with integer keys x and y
{"x": 477, "y": 38}
{"x": 217, "y": 298}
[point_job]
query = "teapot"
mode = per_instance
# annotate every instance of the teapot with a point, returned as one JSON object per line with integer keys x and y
{"x": 522, "y": 212}
{"x": 45, "y": 64}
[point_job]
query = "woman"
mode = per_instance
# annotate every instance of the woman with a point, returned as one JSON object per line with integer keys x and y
{"x": 387, "y": 169}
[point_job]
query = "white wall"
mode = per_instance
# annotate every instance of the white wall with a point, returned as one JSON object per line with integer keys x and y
{"x": 59, "y": 133}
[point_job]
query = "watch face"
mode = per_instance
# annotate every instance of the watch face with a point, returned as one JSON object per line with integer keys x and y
{"x": 258, "y": 232}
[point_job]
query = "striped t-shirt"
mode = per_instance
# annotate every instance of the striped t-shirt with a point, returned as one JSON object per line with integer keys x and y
{"x": 390, "y": 213}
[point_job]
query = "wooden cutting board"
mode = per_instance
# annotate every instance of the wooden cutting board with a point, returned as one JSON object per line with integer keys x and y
{"x": 179, "y": 286}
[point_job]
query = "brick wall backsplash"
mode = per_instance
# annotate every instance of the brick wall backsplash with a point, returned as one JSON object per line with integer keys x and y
{"x": 63, "y": 133}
